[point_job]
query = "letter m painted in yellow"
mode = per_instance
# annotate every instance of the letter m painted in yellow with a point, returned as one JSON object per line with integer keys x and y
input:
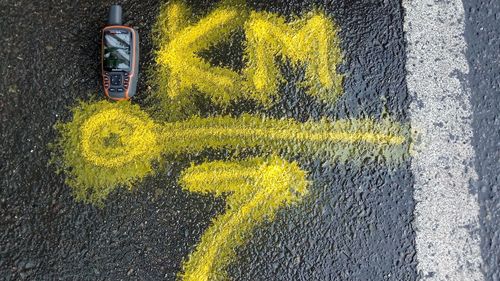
{"x": 311, "y": 41}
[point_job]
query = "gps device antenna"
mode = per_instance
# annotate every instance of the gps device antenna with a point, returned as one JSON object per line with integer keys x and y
{"x": 115, "y": 15}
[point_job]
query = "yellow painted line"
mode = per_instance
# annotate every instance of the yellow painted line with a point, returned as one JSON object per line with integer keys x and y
{"x": 328, "y": 139}
{"x": 290, "y": 135}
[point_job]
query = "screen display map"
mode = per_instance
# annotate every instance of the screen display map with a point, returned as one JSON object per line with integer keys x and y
{"x": 117, "y": 49}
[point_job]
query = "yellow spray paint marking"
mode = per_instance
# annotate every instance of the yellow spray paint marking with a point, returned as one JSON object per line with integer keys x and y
{"x": 288, "y": 135}
{"x": 311, "y": 41}
{"x": 113, "y": 138}
{"x": 111, "y": 144}
{"x": 257, "y": 190}
{"x": 108, "y": 144}
{"x": 178, "y": 53}
{"x": 340, "y": 140}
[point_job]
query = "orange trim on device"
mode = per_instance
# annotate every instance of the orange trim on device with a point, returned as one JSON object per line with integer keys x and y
{"x": 133, "y": 60}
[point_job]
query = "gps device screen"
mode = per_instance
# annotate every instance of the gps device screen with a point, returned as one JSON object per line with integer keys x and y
{"x": 117, "y": 49}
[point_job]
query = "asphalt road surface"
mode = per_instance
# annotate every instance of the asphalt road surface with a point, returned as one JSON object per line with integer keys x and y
{"x": 431, "y": 64}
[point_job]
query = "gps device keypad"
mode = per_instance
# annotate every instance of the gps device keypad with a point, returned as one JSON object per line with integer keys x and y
{"x": 116, "y": 80}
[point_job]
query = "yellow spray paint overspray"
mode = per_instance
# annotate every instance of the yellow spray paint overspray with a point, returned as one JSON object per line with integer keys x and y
{"x": 257, "y": 190}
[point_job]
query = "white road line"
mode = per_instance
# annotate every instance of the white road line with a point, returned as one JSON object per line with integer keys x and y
{"x": 446, "y": 213}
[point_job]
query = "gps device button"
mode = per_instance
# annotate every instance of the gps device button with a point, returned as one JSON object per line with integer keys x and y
{"x": 116, "y": 80}
{"x": 112, "y": 89}
{"x": 120, "y": 90}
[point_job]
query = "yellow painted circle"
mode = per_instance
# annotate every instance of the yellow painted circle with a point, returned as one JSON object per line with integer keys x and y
{"x": 114, "y": 137}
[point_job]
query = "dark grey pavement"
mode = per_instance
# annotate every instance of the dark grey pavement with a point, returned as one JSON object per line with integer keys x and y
{"x": 482, "y": 35}
{"x": 357, "y": 225}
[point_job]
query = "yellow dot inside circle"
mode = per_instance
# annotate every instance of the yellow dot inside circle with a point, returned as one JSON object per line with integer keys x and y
{"x": 114, "y": 137}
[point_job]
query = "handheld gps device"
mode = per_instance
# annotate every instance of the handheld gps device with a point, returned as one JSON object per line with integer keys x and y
{"x": 119, "y": 57}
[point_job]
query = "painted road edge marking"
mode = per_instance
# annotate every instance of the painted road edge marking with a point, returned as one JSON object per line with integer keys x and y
{"x": 446, "y": 212}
